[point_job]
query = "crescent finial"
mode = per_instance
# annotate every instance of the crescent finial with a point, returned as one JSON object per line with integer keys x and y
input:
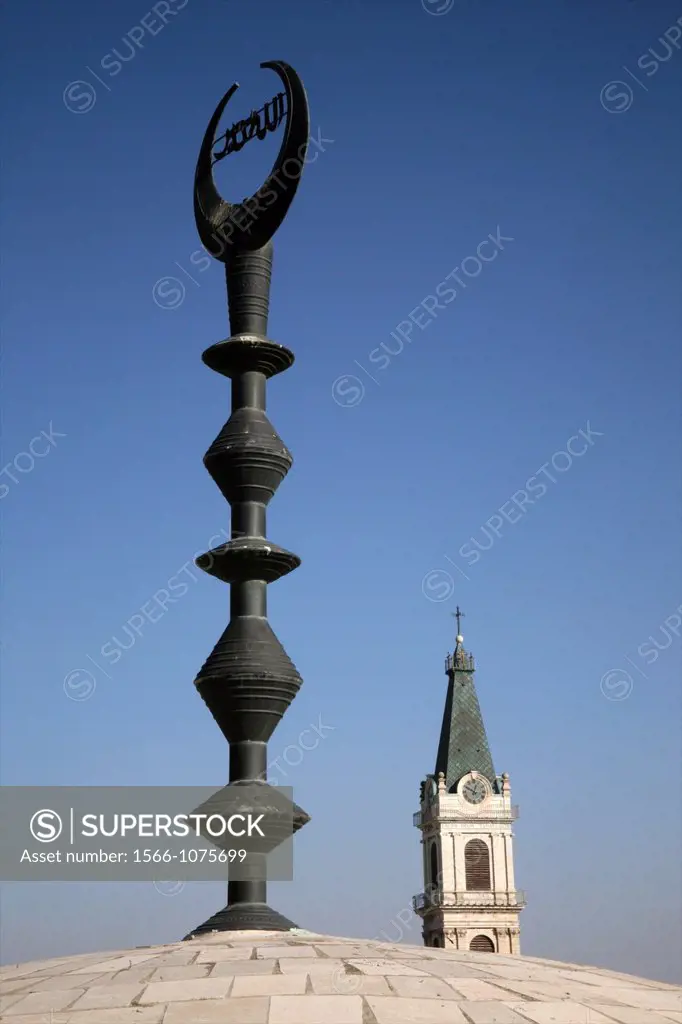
{"x": 226, "y": 228}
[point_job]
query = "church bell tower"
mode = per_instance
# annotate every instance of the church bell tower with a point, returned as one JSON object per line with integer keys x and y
{"x": 470, "y": 900}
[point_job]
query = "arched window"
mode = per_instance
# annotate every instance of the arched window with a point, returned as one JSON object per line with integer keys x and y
{"x": 436, "y": 941}
{"x": 482, "y": 944}
{"x": 477, "y": 865}
{"x": 434, "y": 865}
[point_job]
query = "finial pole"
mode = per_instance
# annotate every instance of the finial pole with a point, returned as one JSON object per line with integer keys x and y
{"x": 248, "y": 681}
{"x": 458, "y": 615}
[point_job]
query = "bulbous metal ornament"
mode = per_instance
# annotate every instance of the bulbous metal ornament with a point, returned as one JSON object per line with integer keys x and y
{"x": 228, "y": 228}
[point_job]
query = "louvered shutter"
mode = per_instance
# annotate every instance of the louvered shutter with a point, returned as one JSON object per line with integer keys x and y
{"x": 477, "y": 865}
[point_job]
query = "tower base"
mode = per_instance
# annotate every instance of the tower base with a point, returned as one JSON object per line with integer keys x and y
{"x": 244, "y": 917}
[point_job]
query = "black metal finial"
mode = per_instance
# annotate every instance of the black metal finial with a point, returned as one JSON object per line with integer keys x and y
{"x": 248, "y": 681}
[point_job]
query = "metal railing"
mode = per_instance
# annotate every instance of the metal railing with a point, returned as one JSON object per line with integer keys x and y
{"x": 483, "y": 812}
{"x": 425, "y": 900}
{"x": 464, "y": 661}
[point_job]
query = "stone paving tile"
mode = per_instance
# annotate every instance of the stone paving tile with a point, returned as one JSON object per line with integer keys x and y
{"x": 13, "y": 969}
{"x": 66, "y": 981}
{"x": 647, "y": 998}
{"x": 386, "y": 967}
{"x": 415, "y": 1011}
{"x": 401, "y": 952}
{"x": 423, "y": 988}
{"x": 8, "y": 1000}
{"x": 178, "y": 958}
{"x": 17, "y": 974}
{"x": 180, "y": 991}
{"x": 522, "y": 972}
{"x": 181, "y": 972}
{"x": 347, "y": 949}
{"x": 86, "y": 967}
{"x": 450, "y": 969}
{"x": 321, "y": 965}
{"x": 590, "y": 994}
{"x": 119, "y": 963}
{"x": 39, "y": 1018}
{"x": 104, "y": 997}
{"x": 238, "y": 967}
{"x": 220, "y": 1011}
{"x": 140, "y": 973}
{"x": 131, "y": 1015}
{"x": 32, "y": 966}
{"x": 557, "y": 966}
{"x": 7, "y": 988}
{"x": 628, "y": 1014}
{"x": 596, "y": 978}
{"x": 631, "y": 980}
{"x": 120, "y": 1015}
{"x": 315, "y": 1010}
{"x": 322, "y": 952}
{"x": 349, "y": 985}
{"x": 43, "y": 1002}
{"x": 491, "y": 1013}
{"x": 207, "y": 956}
{"x": 473, "y": 989}
{"x": 338, "y": 940}
{"x": 550, "y": 990}
{"x": 543, "y": 960}
{"x": 560, "y": 1013}
{"x": 470, "y": 959}
{"x": 270, "y": 985}
{"x": 282, "y": 952}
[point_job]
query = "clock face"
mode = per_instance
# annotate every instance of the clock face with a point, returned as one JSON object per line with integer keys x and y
{"x": 432, "y": 789}
{"x": 474, "y": 791}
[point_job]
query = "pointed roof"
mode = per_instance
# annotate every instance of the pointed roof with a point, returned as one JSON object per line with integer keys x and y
{"x": 463, "y": 743}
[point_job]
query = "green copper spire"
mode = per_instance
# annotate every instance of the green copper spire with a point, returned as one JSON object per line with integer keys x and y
{"x": 463, "y": 743}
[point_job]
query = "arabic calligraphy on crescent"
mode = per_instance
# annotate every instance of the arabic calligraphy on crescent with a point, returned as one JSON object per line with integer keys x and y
{"x": 257, "y": 125}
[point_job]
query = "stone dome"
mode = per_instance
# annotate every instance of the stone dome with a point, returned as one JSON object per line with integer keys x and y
{"x": 299, "y": 977}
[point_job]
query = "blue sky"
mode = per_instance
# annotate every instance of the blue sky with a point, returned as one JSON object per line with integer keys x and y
{"x": 550, "y": 125}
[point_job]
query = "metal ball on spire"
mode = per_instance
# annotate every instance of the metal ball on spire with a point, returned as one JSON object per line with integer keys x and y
{"x": 457, "y": 614}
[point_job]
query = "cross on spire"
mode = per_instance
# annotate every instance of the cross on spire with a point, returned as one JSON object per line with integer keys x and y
{"x": 458, "y": 615}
